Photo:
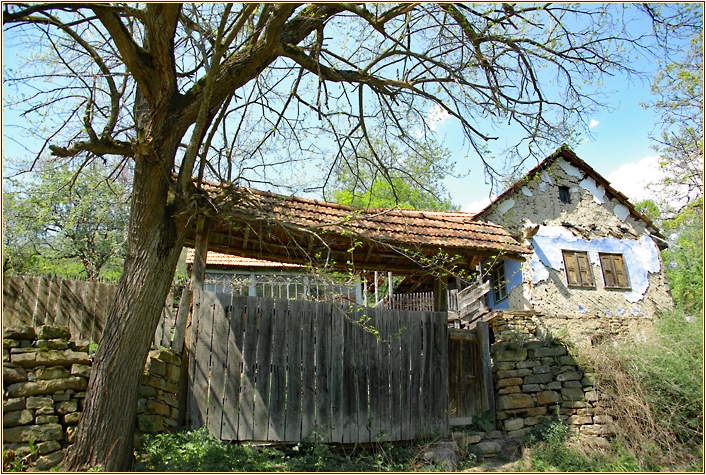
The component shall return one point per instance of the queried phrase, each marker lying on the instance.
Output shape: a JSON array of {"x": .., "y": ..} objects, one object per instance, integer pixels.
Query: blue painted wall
[{"x": 513, "y": 277}]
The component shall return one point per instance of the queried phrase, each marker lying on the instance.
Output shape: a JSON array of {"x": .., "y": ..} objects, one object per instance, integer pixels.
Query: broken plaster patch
[
  {"x": 526, "y": 191},
  {"x": 641, "y": 257},
  {"x": 542, "y": 186},
  {"x": 506, "y": 205},
  {"x": 596, "y": 190},
  {"x": 621, "y": 211},
  {"x": 539, "y": 272},
  {"x": 546, "y": 178},
  {"x": 570, "y": 169}
]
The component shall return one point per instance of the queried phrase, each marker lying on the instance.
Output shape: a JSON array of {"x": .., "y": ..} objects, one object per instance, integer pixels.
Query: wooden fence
[
  {"x": 278, "y": 370},
  {"x": 82, "y": 306}
]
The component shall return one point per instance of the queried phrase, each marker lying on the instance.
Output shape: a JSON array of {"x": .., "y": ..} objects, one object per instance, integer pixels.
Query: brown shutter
[
  {"x": 608, "y": 274},
  {"x": 585, "y": 273},
  {"x": 571, "y": 268},
  {"x": 621, "y": 274}
]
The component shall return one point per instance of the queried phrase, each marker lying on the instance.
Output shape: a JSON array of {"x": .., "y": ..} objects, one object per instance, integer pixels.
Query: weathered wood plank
[
  {"x": 40, "y": 310},
  {"x": 323, "y": 364},
  {"x": 202, "y": 359},
  {"x": 262, "y": 371},
  {"x": 180, "y": 325},
  {"x": 364, "y": 344},
  {"x": 349, "y": 408},
  {"x": 393, "y": 332},
  {"x": 10, "y": 293},
  {"x": 336, "y": 378},
  {"x": 440, "y": 375},
  {"x": 379, "y": 394},
  {"x": 427, "y": 389},
  {"x": 247, "y": 395},
  {"x": 278, "y": 392},
  {"x": 32, "y": 298},
  {"x": 27, "y": 301},
  {"x": 485, "y": 367},
  {"x": 168, "y": 319},
  {"x": 89, "y": 303},
  {"x": 219, "y": 351},
  {"x": 308, "y": 368},
  {"x": 405, "y": 346},
  {"x": 293, "y": 425},
  {"x": 416, "y": 372},
  {"x": 229, "y": 430}
]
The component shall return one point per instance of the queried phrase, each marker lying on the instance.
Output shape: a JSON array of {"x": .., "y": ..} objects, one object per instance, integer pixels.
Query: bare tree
[{"x": 248, "y": 93}]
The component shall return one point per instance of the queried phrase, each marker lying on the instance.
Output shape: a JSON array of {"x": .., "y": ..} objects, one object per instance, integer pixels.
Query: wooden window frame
[
  {"x": 499, "y": 285},
  {"x": 578, "y": 269},
  {"x": 615, "y": 272}
]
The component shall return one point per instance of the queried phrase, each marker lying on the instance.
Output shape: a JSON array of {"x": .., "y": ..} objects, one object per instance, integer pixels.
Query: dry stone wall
[
  {"x": 45, "y": 377},
  {"x": 537, "y": 378}
]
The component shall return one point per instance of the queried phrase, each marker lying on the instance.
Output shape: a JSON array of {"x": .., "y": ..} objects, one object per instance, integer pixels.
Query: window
[
  {"x": 578, "y": 269},
  {"x": 497, "y": 279},
  {"x": 564, "y": 195},
  {"x": 615, "y": 274}
]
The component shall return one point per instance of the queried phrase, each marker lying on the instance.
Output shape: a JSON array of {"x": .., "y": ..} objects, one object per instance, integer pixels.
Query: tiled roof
[
  {"x": 229, "y": 260},
  {"x": 267, "y": 226}
]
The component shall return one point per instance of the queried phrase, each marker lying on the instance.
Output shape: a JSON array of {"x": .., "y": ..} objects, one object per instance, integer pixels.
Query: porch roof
[{"x": 267, "y": 226}]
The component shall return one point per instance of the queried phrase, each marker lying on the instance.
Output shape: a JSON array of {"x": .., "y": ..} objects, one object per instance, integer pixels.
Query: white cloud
[
  {"x": 477, "y": 206},
  {"x": 436, "y": 116},
  {"x": 593, "y": 123},
  {"x": 632, "y": 179}
]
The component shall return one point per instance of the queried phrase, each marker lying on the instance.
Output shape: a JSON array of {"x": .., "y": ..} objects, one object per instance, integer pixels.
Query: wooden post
[
  {"x": 389, "y": 291},
  {"x": 441, "y": 294},
  {"x": 198, "y": 275},
  {"x": 486, "y": 368}
]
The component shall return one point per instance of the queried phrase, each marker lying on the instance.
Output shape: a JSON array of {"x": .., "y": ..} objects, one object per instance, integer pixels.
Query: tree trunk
[{"x": 105, "y": 433}]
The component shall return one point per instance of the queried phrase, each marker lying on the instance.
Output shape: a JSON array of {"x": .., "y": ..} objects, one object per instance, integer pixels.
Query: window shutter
[
  {"x": 621, "y": 275},
  {"x": 571, "y": 268},
  {"x": 608, "y": 274},
  {"x": 585, "y": 274}
]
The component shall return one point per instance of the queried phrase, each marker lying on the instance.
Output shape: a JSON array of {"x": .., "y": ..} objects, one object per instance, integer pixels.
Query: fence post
[
  {"x": 441, "y": 294},
  {"x": 486, "y": 368}
]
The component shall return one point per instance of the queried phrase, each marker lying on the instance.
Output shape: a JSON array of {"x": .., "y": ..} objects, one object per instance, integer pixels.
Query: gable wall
[{"x": 592, "y": 221}]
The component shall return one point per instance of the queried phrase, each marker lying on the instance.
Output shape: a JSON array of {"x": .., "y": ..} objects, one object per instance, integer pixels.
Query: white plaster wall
[{"x": 592, "y": 215}]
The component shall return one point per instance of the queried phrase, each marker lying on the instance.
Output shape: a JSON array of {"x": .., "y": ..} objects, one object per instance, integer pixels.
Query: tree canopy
[{"x": 254, "y": 94}]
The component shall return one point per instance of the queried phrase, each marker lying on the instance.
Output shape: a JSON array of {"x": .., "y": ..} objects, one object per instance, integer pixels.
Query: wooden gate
[
  {"x": 471, "y": 391},
  {"x": 277, "y": 370}
]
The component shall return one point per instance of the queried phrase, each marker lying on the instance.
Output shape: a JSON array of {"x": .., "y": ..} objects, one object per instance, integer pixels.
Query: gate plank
[
  {"x": 427, "y": 389},
  {"x": 221, "y": 315},
  {"x": 416, "y": 372},
  {"x": 229, "y": 430},
  {"x": 338, "y": 320},
  {"x": 349, "y": 407},
  {"x": 323, "y": 365},
  {"x": 440, "y": 374},
  {"x": 456, "y": 408},
  {"x": 278, "y": 391},
  {"x": 247, "y": 396},
  {"x": 294, "y": 373},
  {"x": 199, "y": 406},
  {"x": 393, "y": 327},
  {"x": 485, "y": 367},
  {"x": 262, "y": 370},
  {"x": 308, "y": 367},
  {"x": 365, "y": 344},
  {"x": 405, "y": 343}
]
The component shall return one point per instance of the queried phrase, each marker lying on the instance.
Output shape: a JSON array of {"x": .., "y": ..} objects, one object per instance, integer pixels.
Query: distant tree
[
  {"x": 64, "y": 221},
  {"x": 679, "y": 88},
  {"x": 410, "y": 178}
]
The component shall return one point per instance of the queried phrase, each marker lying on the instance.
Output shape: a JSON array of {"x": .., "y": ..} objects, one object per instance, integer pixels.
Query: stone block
[
  {"x": 169, "y": 422},
  {"x": 11, "y": 375},
  {"x": 566, "y": 360},
  {"x": 52, "y": 344},
  {"x": 171, "y": 399},
  {"x": 532, "y": 421},
  {"x": 147, "y": 391},
  {"x": 509, "y": 390},
  {"x": 82, "y": 370},
  {"x": 10, "y": 343},
  {"x": 48, "y": 461},
  {"x": 503, "y": 383},
  {"x": 548, "y": 351},
  {"x": 573, "y": 384},
  {"x": 513, "y": 424},
  {"x": 17, "y": 418},
  {"x": 579, "y": 420},
  {"x": 166, "y": 355},
  {"x": 48, "y": 447},
  {"x": 43, "y": 411},
  {"x": 531, "y": 388},
  {"x": 574, "y": 404},
  {"x": 514, "y": 401},
  {"x": 173, "y": 373},
  {"x": 51, "y": 332},
  {"x": 14, "y": 404},
  {"x": 44, "y": 419},
  {"x": 527, "y": 364},
  {"x": 504, "y": 365},
  {"x": 554, "y": 385},
  {"x": 598, "y": 429},
  {"x": 513, "y": 373},
  {"x": 37, "y": 402},
  {"x": 547, "y": 397},
  {"x": 65, "y": 407},
  {"x": 542, "y": 369},
  {"x": 519, "y": 354},
  {"x": 174, "y": 413},
  {"x": 572, "y": 393},
  {"x": 150, "y": 423},
  {"x": 52, "y": 372},
  {"x": 591, "y": 396},
  {"x": 602, "y": 419},
  {"x": 19, "y": 333},
  {"x": 538, "y": 378},
  {"x": 72, "y": 418},
  {"x": 535, "y": 411},
  {"x": 61, "y": 397},
  {"x": 28, "y": 359},
  {"x": 37, "y": 433},
  {"x": 154, "y": 407},
  {"x": 489, "y": 448},
  {"x": 156, "y": 367},
  {"x": 569, "y": 376},
  {"x": 519, "y": 432}
]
